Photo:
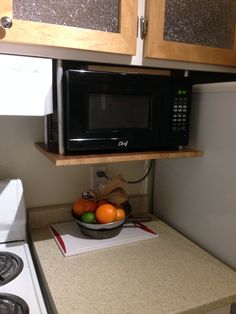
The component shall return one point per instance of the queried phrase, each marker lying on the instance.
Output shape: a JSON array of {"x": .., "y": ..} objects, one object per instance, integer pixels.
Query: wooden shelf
[{"x": 61, "y": 160}]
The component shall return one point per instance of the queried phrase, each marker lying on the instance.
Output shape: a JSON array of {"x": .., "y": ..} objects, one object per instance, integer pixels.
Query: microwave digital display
[
  {"x": 117, "y": 111},
  {"x": 182, "y": 92}
]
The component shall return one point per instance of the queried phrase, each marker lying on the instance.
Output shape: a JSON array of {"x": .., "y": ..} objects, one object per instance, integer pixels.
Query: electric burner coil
[
  {"x": 11, "y": 266},
  {"x": 12, "y": 304}
]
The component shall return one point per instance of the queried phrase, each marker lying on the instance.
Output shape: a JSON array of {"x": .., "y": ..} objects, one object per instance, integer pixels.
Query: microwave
[{"x": 102, "y": 109}]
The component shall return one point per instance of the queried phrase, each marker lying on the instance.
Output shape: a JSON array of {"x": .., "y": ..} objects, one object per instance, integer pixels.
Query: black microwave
[{"x": 100, "y": 109}]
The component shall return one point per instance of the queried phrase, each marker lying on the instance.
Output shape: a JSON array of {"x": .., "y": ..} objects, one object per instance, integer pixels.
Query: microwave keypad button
[{"x": 179, "y": 115}]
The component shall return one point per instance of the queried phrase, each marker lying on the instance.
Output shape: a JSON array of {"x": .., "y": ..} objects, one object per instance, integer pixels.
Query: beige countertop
[{"x": 165, "y": 275}]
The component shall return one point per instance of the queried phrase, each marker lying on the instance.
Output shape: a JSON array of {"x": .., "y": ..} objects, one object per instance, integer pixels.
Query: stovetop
[
  {"x": 25, "y": 284},
  {"x": 22, "y": 286}
]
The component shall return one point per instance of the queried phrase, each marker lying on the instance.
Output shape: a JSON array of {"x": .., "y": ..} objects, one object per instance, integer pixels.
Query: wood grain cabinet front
[
  {"x": 191, "y": 30},
  {"x": 178, "y": 30},
  {"x": 95, "y": 25}
]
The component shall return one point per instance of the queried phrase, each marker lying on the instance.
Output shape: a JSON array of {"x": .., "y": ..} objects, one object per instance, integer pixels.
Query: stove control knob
[{"x": 6, "y": 22}]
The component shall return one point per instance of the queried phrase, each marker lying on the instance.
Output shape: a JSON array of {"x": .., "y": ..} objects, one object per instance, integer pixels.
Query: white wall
[
  {"x": 198, "y": 196},
  {"x": 44, "y": 183}
]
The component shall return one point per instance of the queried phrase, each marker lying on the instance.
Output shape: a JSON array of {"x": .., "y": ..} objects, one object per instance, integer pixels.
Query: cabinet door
[
  {"x": 200, "y": 31},
  {"x": 97, "y": 25}
]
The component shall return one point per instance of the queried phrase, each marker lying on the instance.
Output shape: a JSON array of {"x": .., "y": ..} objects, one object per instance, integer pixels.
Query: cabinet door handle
[{"x": 6, "y": 22}]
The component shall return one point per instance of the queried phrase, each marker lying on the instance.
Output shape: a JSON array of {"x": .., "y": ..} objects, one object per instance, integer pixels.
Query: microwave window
[{"x": 116, "y": 111}]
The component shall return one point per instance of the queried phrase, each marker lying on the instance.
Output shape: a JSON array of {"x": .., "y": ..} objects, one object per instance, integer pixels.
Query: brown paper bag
[{"x": 113, "y": 191}]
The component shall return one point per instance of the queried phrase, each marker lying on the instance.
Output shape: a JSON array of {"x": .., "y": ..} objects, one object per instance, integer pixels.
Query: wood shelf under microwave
[{"x": 62, "y": 160}]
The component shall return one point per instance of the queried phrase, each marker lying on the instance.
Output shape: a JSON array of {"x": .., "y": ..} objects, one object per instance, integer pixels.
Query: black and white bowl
[{"x": 100, "y": 231}]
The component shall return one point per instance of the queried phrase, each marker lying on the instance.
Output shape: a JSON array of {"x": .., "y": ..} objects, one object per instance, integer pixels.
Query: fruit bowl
[{"x": 98, "y": 230}]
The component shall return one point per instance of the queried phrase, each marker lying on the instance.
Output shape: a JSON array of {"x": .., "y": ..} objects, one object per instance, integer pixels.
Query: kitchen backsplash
[
  {"x": 62, "y": 213},
  {"x": 44, "y": 183}
]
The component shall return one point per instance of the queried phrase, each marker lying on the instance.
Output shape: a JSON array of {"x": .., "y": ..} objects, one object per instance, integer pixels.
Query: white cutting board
[{"x": 72, "y": 242}]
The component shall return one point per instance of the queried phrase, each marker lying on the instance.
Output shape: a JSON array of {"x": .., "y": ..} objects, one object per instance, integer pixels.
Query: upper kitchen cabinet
[
  {"x": 96, "y": 25},
  {"x": 191, "y": 30}
]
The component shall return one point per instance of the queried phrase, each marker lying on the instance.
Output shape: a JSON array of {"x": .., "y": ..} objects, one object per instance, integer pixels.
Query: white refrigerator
[{"x": 197, "y": 196}]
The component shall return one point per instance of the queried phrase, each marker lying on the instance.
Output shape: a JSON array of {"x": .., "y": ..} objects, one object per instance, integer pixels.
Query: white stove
[{"x": 19, "y": 287}]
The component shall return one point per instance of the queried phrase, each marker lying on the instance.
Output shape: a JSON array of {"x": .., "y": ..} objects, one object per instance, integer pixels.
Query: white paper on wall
[{"x": 25, "y": 85}]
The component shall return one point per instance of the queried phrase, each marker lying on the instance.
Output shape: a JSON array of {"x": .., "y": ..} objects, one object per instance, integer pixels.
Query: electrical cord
[
  {"x": 144, "y": 177},
  {"x": 102, "y": 174}
]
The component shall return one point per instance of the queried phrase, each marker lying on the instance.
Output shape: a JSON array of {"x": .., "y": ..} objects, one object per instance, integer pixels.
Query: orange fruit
[
  {"x": 78, "y": 207},
  {"x": 90, "y": 205},
  {"x": 105, "y": 213},
  {"x": 81, "y": 206},
  {"x": 120, "y": 213}
]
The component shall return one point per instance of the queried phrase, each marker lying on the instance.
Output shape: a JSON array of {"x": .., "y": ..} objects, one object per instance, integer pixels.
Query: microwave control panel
[{"x": 180, "y": 111}]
